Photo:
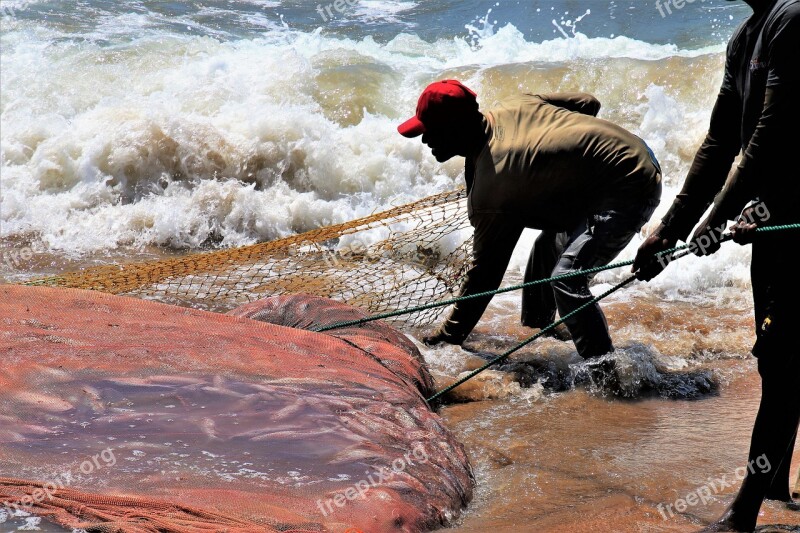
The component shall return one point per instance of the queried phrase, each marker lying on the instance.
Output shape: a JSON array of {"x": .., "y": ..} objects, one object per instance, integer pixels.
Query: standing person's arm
[
  {"x": 709, "y": 170},
  {"x": 708, "y": 173},
  {"x": 496, "y": 237},
  {"x": 777, "y": 126}
]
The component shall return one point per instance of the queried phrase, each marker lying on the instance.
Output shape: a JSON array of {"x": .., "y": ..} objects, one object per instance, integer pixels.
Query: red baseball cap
[{"x": 439, "y": 103}]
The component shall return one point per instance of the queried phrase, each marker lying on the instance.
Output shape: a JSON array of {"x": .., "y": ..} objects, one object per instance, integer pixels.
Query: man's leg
[
  {"x": 538, "y": 301},
  {"x": 796, "y": 490},
  {"x": 773, "y": 433},
  {"x": 774, "y": 293},
  {"x": 781, "y": 490},
  {"x": 591, "y": 245}
]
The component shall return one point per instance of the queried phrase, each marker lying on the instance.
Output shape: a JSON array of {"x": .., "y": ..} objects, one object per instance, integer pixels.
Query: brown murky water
[
  {"x": 581, "y": 462},
  {"x": 588, "y": 460}
]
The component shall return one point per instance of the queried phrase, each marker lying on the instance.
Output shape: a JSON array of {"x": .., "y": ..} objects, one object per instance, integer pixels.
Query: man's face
[{"x": 445, "y": 142}]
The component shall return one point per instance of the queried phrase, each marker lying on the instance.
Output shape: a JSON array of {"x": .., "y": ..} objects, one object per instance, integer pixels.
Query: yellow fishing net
[{"x": 407, "y": 256}]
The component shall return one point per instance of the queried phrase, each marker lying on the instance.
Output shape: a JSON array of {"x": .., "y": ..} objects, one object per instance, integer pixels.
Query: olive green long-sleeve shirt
[{"x": 548, "y": 164}]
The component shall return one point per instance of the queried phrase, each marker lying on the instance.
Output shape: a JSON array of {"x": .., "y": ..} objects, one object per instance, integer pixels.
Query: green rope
[
  {"x": 686, "y": 249},
  {"x": 777, "y": 228},
  {"x": 451, "y": 301},
  {"x": 673, "y": 254},
  {"x": 524, "y": 343}
]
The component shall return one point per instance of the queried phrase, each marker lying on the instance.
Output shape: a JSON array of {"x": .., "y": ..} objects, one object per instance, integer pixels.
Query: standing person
[
  {"x": 544, "y": 162},
  {"x": 757, "y": 112}
]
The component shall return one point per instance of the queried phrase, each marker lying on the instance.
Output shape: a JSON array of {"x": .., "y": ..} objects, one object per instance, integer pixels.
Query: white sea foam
[
  {"x": 383, "y": 10},
  {"x": 181, "y": 140}
]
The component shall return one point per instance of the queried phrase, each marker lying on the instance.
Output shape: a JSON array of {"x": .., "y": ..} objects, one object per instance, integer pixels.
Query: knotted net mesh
[{"x": 407, "y": 256}]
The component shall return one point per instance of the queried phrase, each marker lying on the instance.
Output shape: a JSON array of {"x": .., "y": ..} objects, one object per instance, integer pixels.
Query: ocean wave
[{"x": 183, "y": 141}]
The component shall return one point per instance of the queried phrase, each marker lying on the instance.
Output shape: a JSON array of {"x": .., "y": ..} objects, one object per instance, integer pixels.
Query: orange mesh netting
[
  {"x": 407, "y": 256},
  {"x": 80, "y": 510},
  {"x": 139, "y": 416}
]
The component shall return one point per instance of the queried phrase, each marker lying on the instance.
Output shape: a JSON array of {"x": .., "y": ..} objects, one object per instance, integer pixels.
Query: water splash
[
  {"x": 639, "y": 370},
  {"x": 480, "y": 29},
  {"x": 572, "y": 25}
]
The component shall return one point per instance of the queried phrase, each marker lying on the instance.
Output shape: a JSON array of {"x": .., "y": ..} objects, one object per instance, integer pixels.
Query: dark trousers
[
  {"x": 775, "y": 298},
  {"x": 595, "y": 242}
]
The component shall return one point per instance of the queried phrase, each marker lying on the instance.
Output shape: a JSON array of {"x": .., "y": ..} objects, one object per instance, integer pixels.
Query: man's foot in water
[
  {"x": 779, "y": 496},
  {"x": 730, "y": 522},
  {"x": 721, "y": 526},
  {"x": 783, "y": 496},
  {"x": 601, "y": 372},
  {"x": 604, "y": 374}
]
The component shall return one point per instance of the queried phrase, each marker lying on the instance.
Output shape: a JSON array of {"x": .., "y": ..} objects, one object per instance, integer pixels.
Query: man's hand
[
  {"x": 646, "y": 266},
  {"x": 707, "y": 239},
  {"x": 744, "y": 231},
  {"x": 438, "y": 338}
]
